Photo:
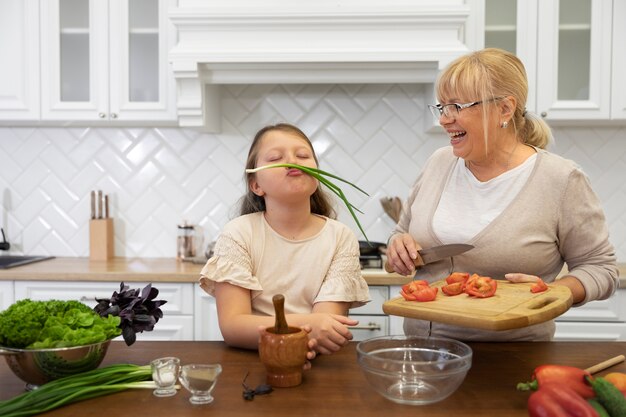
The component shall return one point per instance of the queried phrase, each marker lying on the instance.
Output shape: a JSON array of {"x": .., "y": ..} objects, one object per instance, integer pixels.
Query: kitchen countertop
[
  {"x": 139, "y": 269},
  {"x": 155, "y": 270},
  {"x": 334, "y": 385}
]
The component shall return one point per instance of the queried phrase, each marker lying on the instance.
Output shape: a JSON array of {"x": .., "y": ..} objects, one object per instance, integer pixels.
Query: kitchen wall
[{"x": 158, "y": 177}]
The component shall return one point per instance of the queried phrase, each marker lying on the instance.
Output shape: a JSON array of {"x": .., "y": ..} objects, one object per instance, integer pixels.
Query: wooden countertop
[
  {"x": 155, "y": 270},
  {"x": 138, "y": 270},
  {"x": 335, "y": 384}
]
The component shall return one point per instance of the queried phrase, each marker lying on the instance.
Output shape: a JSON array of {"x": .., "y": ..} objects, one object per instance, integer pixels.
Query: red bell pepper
[
  {"x": 554, "y": 400},
  {"x": 453, "y": 289},
  {"x": 481, "y": 287},
  {"x": 569, "y": 376},
  {"x": 457, "y": 277},
  {"x": 418, "y": 290},
  {"x": 538, "y": 286}
]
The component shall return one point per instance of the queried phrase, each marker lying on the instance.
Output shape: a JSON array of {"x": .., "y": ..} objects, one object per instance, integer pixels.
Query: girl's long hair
[{"x": 251, "y": 203}]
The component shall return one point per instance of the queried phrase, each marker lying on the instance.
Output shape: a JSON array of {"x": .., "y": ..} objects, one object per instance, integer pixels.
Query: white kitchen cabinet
[
  {"x": 566, "y": 47},
  {"x": 596, "y": 320},
  {"x": 106, "y": 60},
  {"x": 618, "y": 87},
  {"x": 373, "y": 322},
  {"x": 177, "y": 322},
  {"x": 6, "y": 294},
  {"x": 205, "y": 314},
  {"x": 19, "y": 55}
]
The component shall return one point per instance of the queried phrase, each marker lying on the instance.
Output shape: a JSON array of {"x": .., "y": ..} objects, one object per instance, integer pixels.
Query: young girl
[{"x": 285, "y": 242}]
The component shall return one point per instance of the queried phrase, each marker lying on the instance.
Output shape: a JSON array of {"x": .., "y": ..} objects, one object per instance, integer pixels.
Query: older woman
[{"x": 525, "y": 210}]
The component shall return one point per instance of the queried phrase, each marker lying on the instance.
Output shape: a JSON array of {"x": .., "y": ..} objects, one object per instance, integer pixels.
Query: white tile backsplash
[{"x": 156, "y": 177}]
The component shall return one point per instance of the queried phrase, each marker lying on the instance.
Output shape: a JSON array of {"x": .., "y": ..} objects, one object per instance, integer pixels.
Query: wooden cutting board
[{"x": 513, "y": 306}]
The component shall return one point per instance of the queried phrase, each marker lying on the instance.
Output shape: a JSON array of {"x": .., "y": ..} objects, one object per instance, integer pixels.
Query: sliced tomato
[
  {"x": 455, "y": 288},
  {"x": 418, "y": 290},
  {"x": 481, "y": 287},
  {"x": 538, "y": 286},
  {"x": 457, "y": 277}
]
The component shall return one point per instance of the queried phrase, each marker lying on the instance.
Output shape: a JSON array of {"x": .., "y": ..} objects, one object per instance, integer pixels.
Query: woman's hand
[
  {"x": 519, "y": 277},
  {"x": 312, "y": 344},
  {"x": 330, "y": 331},
  {"x": 402, "y": 255}
]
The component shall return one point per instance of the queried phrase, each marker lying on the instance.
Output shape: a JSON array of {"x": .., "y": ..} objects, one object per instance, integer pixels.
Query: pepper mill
[{"x": 283, "y": 349}]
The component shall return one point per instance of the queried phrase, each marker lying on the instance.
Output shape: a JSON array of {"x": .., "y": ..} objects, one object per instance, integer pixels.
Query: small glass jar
[{"x": 185, "y": 247}]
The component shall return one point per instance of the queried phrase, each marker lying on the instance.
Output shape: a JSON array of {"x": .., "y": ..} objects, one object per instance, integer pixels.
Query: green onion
[
  {"x": 318, "y": 174},
  {"x": 79, "y": 387}
]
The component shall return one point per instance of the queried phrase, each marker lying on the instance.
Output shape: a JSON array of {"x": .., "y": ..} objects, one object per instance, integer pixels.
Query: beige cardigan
[{"x": 555, "y": 219}]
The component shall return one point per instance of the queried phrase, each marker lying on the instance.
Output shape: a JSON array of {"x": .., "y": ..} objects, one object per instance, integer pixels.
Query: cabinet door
[
  {"x": 140, "y": 36},
  {"x": 74, "y": 59},
  {"x": 618, "y": 104},
  {"x": 512, "y": 25},
  {"x": 205, "y": 314},
  {"x": 574, "y": 59},
  {"x": 6, "y": 294},
  {"x": 19, "y": 57}
]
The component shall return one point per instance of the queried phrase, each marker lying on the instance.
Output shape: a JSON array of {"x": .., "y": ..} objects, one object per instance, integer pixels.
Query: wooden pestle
[{"x": 280, "y": 326}]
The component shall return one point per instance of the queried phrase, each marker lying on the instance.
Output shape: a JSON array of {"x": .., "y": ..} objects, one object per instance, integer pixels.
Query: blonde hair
[
  {"x": 487, "y": 75},
  {"x": 251, "y": 203}
]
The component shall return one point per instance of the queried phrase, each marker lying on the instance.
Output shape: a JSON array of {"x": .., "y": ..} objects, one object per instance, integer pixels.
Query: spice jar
[{"x": 185, "y": 247}]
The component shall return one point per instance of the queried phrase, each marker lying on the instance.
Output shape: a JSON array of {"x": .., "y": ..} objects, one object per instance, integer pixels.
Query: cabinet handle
[
  {"x": 102, "y": 115},
  {"x": 113, "y": 115},
  {"x": 369, "y": 326},
  {"x": 84, "y": 299},
  {"x": 544, "y": 114}
]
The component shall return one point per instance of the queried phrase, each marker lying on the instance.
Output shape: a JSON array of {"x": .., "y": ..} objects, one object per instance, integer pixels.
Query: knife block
[{"x": 101, "y": 239}]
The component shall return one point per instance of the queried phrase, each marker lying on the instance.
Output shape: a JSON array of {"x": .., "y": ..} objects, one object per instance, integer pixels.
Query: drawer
[
  {"x": 6, "y": 294},
  {"x": 379, "y": 294},
  {"x": 369, "y": 326},
  {"x": 611, "y": 310},
  {"x": 169, "y": 328},
  {"x": 179, "y": 296},
  {"x": 571, "y": 331}
]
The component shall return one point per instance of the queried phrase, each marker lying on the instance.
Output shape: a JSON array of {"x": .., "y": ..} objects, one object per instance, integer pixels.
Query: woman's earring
[{"x": 504, "y": 124}]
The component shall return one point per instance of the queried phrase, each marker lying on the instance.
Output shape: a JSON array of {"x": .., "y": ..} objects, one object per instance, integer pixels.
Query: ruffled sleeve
[
  {"x": 344, "y": 281},
  {"x": 232, "y": 263}
]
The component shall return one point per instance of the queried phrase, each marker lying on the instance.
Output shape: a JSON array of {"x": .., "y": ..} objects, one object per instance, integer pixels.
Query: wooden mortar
[{"x": 283, "y": 349}]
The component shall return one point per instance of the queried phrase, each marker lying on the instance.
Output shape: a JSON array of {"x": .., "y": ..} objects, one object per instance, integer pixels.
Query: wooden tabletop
[{"x": 334, "y": 386}]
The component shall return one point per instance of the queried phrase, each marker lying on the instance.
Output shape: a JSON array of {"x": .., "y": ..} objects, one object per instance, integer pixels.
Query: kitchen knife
[{"x": 437, "y": 253}]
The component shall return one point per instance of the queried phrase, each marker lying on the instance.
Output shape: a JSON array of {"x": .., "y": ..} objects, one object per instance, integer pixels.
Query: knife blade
[{"x": 437, "y": 253}]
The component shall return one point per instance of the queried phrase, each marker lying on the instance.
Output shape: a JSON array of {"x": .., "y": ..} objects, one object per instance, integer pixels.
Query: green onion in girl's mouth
[{"x": 319, "y": 174}]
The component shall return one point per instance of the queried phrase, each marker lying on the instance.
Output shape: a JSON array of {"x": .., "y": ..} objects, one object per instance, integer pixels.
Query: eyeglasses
[{"x": 452, "y": 110}]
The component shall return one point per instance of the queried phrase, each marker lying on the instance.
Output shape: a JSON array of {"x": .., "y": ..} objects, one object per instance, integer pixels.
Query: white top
[
  {"x": 325, "y": 267},
  {"x": 467, "y": 205}
]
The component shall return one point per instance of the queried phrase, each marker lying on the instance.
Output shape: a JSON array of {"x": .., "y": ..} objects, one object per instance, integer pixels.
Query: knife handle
[
  {"x": 93, "y": 204},
  {"x": 99, "y": 198},
  {"x": 106, "y": 206}
]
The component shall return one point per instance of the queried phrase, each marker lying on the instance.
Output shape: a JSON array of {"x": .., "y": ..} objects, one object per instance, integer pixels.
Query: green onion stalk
[
  {"x": 78, "y": 387},
  {"x": 319, "y": 175}
]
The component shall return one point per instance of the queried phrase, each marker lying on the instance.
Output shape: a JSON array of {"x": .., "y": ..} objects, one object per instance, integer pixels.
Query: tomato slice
[
  {"x": 418, "y": 290},
  {"x": 538, "y": 286},
  {"x": 455, "y": 288},
  {"x": 481, "y": 287},
  {"x": 457, "y": 277}
]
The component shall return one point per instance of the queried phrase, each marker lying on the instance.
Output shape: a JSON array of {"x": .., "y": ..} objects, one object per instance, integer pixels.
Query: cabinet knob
[
  {"x": 102, "y": 115},
  {"x": 369, "y": 326},
  {"x": 113, "y": 115},
  {"x": 544, "y": 114}
]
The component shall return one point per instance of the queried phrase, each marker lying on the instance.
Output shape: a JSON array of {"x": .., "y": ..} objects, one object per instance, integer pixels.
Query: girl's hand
[
  {"x": 519, "y": 277},
  {"x": 310, "y": 355},
  {"x": 402, "y": 255},
  {"x": 330, "y": 331}
]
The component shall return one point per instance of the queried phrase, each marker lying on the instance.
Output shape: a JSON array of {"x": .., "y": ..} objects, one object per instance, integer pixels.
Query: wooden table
[{"x": 335, "y": 385}]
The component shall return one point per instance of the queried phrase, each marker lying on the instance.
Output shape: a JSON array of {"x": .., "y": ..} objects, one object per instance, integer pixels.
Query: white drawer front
[
  {"x": 179, "y": 296},
  {"x": 611, "y": 310},
  {"x": 379, "y": 294},
  {"x": 369, "y": 326},
  {"x": 569, "y": 331},
  {"x": 170, "y": 328},
  {"x": 6, "y": 294}
]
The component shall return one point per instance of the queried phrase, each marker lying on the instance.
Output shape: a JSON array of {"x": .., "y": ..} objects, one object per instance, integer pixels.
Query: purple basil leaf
[{"x": 128, "y": 333}]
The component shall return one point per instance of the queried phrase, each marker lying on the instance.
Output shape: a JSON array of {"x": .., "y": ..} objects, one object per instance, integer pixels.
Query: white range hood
[{"x": 318, "y": 41}]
